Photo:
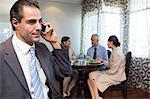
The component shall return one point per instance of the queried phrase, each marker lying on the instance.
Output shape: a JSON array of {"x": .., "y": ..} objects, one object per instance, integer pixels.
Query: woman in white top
[
  {"x": 101, "y": 80},
  {"x": 69, "y": 82}
]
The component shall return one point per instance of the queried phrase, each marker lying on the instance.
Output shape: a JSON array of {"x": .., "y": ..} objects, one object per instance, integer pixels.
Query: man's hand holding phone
[{"x": 49, "y": 34}]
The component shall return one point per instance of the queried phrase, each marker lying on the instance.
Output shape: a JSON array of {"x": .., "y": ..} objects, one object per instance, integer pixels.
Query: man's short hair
[
  {"x": 17, "y": 9},
  {"x": 96, "y": 36}
]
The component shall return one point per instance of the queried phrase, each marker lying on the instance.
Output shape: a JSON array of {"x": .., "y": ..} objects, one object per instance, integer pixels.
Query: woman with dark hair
[
  {"x": 69, "y": 82},
  {"x": 67, "y": 42},
  {"x": 101, "y": 80}
]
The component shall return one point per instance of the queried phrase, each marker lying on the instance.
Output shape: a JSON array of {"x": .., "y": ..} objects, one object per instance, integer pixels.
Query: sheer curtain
[
  {"x": 109, "y": 24},
  {"x": 139, "y": 28},
  {"x": 89, "y": 29}
]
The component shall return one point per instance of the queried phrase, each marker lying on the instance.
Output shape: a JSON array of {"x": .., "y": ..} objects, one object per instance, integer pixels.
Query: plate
[{"x": 94, "y": 63}]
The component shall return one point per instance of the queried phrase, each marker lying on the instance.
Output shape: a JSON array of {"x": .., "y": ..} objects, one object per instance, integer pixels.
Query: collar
[
  {"x": 22, "y": 46},
  {"x": 95, "y": 46}
]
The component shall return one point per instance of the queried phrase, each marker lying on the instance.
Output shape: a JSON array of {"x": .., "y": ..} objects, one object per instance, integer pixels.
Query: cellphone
[{"x": 43, "y": 28}]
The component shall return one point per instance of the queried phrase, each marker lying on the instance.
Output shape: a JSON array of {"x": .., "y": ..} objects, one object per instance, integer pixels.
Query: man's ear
[{"x": 15, "y": 23}]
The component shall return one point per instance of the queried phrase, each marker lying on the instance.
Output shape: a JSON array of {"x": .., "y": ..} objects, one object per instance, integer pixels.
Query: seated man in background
[
  {"x": 97, "y": 50},
  {"x": 69, "y": 82}
]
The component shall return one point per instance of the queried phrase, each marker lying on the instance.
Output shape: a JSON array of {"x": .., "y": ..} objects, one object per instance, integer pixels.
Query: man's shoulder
[
  {"x": 3, "y": 46},
  {"x": 5, "y": 43},
  {"x": 90, "y": 48},
  {"x": 40, "y": 44},
  {"x": 41, "y": 47},
  {"x": 101, "y": 47}
]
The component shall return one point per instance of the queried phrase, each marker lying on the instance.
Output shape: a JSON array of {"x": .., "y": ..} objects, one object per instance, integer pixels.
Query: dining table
[{"x": 84, "y": 68}]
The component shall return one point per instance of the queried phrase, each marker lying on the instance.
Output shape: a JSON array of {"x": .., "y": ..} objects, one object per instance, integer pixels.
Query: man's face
[
  {"x": 29, "y": 29},
  {"x": 94, "y": 41}
]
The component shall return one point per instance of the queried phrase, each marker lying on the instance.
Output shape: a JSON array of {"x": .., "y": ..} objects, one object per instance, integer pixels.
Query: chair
[
  {"x": 109, "y": 53},
  {"x": 123, "y": 86}
]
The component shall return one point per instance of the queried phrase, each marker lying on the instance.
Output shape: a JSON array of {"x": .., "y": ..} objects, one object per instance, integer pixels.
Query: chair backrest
[
  {"x": 128, "y": 62},
  {"x": 109, "y": 53}
]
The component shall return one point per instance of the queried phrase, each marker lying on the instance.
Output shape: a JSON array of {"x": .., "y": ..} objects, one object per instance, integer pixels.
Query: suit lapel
[
  {"x": 11, "y": 58},
  {"x": 44, "y": 60}
]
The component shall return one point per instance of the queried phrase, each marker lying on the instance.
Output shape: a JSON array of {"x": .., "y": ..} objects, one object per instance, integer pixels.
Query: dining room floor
[{"x": 133, "y": 93}]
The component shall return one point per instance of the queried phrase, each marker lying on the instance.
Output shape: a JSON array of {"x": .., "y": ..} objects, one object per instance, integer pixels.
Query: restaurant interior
[{"x": 129, "y": 20}]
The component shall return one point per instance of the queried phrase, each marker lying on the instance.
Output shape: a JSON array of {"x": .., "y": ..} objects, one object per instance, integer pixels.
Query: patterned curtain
[
  {"x": 139, "y": 74},
  {"x": 89, "y": 6}
]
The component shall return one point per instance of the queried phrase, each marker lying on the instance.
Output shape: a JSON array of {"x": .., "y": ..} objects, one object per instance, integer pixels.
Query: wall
[
  {"x": 4, "y": 18},
  {"x": 66, "y": 17}
]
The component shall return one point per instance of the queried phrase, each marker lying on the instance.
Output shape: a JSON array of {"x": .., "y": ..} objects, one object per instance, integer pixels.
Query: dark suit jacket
[{"x": 12, "y": 80}]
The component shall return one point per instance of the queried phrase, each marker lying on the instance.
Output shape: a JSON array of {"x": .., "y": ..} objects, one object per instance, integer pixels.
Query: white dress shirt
[{"x": 22, "y": 51}]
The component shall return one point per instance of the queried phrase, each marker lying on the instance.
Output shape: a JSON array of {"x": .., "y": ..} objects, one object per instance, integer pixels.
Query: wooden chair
[{"x": 123, "y": 86}]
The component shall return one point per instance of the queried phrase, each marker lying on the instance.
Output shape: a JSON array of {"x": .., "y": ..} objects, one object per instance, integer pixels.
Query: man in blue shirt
[{"x": 97, "y": 50}]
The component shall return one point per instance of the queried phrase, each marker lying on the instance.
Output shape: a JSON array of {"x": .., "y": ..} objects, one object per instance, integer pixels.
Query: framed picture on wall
[{"x": 5, "y": 31}]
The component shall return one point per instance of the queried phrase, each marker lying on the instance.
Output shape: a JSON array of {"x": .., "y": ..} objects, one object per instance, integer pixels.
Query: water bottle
[{"x": 81, "y": 58}]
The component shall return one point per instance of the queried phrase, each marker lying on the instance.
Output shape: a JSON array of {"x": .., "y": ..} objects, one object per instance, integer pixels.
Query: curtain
[
  {"x": 89, "y": 15},
  {"x": 139, "y": 74},
  {"x": 139, "y": 28}
]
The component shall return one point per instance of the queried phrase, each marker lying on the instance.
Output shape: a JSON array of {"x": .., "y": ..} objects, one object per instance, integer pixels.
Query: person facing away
[
  {"x": 69, "y": 82},
  {"x": 97, "y": 50},
  {"x": 25, "y": 72},
  {"x": 101, "y": 80},
  {"x": 67, "y": 42}
]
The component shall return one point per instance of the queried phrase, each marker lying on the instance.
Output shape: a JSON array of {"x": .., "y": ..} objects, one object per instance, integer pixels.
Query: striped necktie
[{"x": 35, "y": 79}]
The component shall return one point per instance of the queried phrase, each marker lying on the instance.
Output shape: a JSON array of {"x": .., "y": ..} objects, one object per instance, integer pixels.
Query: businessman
[{"x": 27, "y": 68}]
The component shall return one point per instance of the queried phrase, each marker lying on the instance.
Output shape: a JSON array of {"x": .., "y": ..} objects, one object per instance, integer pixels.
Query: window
[{"x": 109, "y": 24}]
